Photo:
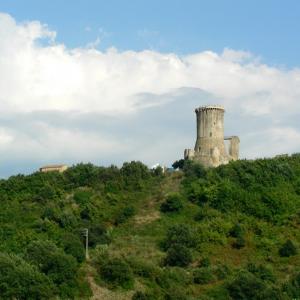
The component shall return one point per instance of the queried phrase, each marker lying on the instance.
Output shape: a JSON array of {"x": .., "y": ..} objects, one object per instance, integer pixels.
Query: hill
[{"x": 226, "y": 233}]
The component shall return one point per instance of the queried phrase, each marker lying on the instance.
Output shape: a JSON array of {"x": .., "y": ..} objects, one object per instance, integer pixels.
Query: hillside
[{"x": 232, "y": 232}]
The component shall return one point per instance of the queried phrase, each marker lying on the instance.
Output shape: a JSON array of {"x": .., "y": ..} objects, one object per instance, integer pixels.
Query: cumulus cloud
[{"x": 83, "y": 104}]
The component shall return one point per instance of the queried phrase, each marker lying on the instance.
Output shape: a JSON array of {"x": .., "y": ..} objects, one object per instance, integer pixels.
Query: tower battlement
[
  {"x": 210, "y": 147},
  {"x": 209, "y": 107}
]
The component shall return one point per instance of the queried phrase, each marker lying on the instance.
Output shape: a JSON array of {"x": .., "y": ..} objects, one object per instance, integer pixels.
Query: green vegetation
[
  {"x": 173, "y": 203},
  {"x": 232, "y": 232}
]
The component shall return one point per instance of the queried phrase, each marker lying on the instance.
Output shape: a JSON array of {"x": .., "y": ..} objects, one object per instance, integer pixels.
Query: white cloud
[
  {"x": 38, "y": 74},
  {"x": 273, "y": 141}
]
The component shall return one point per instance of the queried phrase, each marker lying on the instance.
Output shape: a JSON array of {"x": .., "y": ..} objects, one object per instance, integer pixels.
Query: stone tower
[{"x": 210, "y": 147}]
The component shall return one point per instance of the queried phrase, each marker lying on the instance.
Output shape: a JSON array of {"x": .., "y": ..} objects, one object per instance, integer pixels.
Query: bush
[
  {"x": 179, "y": 234},
  {"x": 173, "y": 203},
  {"x": 176, "y": 294},
  {"x": 116, "y": 272},
  {"x": 193, "y": 169},
  {"x": 288, "y": 249},
  {"x": 239, "y": 243},
  {"x": 222, "y": 271},
  {"x": 142, "y": 296},
  {"x": 135, "y": 174},
  {"x": 205, "y": 262},
  {"x": 178, "y": 255},
  {"x": 82, "y": 197},
  {"x": 143, "y": 269},
  {"x": 203, "y": 276},
  {"x": 246, "y": 286},
  {"x": 20, "y": 280},
  {"x": 261, "y": 271},
  {"x": 124, "y": 214},
  {"x": 236, "y": 231},
  {"x": 73, "y": 245},
  {"x": 292, "y": 287},
  {"x": 52, "y": 261},
  {"x": 98, "y": 235}
]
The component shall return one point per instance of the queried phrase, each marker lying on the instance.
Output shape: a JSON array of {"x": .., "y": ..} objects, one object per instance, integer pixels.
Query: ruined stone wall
[{"x": 234, "y": 148}]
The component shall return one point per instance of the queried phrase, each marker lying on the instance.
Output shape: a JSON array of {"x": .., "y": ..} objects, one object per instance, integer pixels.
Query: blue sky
[
  {"x": 113, "y": 81},
  {"x": 267, "y": 28}
]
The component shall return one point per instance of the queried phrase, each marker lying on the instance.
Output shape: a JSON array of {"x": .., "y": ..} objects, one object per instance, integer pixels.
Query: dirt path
[{"x": 150, "y": 212}]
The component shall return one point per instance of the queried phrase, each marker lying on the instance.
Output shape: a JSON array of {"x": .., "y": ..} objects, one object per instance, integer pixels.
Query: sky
[{"x": 111, "y": 81}]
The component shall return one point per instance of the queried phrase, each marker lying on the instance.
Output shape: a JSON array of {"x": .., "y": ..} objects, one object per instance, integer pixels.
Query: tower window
[{"x": 210, "y": 134}]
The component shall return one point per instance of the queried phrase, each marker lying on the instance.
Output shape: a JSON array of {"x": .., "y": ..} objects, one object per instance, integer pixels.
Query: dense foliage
[
  {"x": 42, "y": 220},
  {"x": 232, "y": 232}
]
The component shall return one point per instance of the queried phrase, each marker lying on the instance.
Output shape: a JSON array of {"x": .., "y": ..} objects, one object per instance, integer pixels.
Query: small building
[{"x": 51, "y": 168}]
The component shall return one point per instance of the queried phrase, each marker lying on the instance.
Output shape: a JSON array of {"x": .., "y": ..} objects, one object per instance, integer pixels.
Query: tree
[
  {"x": 20, "y": 280},
  {"x": 178, "y": 164},
  {"x": 53, "y": 262}
]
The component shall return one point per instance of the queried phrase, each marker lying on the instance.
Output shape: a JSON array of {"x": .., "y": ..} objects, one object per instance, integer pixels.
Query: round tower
[{"x": 210, "y": 147}]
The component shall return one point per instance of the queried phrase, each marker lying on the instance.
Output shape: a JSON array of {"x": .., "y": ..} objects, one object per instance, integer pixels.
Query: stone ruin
[{"x": 210, "y": 146}]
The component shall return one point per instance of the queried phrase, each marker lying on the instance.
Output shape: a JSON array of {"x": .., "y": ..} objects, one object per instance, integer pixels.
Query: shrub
[
  {"x": 158, "y": 171},
  {"x": 142, "y": 296},
  {"x": 47, "y": 192},
  {"x": 124, "y": 214},
  {"x": 143, "y": 269},
  {"x": 205, "y": 262},
  {"x": 176, "y": 294},
  {"x": 179, "y": 234},
  {"x": 73, "y": 245},
  {"x": 178, "y": 255},
  {"x": 206, "y": 213},
  {"x": 135, "y": 174},
  {"x": 52, "y": 261},
  {"x": 222, "y": 271},
  {"x": 292, "y": 287},
  {"x": 173, "y": 203},
  {"x": 288, "y": 249},
  {"x": 193, "y": 169},
  {"x": 261, "y": 271},
  {"x": 246, "y": 286},
  {"x": 203, "y": 276},
  {"x": 20, "y": 280},
  {"x": 239, "y": 243},
  {"x": 98, "y": 235},
  {"x": 116, "y": 272},
  {"x": 236, "y": 231},
  {"x": 82, "y": 197}
]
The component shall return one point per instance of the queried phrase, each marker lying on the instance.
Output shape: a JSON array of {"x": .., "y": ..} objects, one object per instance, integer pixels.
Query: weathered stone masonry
[{"x": 210, "y": 147}]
